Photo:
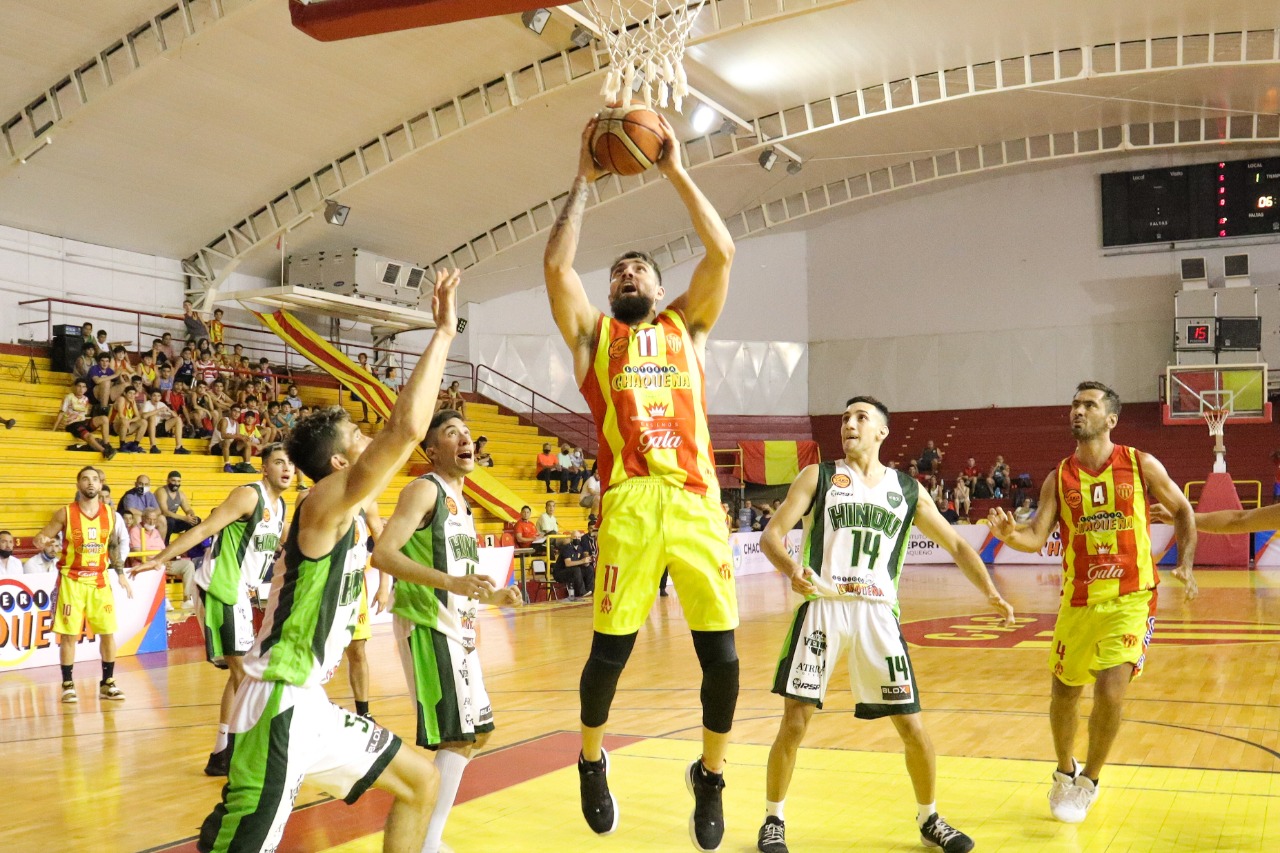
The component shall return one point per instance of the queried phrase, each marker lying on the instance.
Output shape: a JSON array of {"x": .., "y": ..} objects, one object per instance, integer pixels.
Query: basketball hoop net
[
  {"x": 645, "y": 40},
  {"x": 1215, "y": 418}
]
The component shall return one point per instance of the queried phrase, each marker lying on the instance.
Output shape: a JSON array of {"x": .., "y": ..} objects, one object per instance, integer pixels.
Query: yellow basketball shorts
[
  {"x": 78, "y": 603},
  {"x": 363, "y": 629},
  {"x": 647, "y": 527},
  {"x": 1090, "y": 639}
]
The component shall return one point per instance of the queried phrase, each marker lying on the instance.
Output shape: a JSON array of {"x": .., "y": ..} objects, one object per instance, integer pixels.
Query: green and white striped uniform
[
  {"x": 436, "y": 630},
  {"x": 854, "y": 547},
  {"x": 239, "y": 559},
  {"x": 312, "y": 609},
  {"x": 285, "y": 727}
]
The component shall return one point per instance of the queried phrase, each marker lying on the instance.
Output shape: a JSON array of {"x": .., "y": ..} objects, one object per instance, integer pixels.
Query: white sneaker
[
  {"x": 1076, "y": 801},
  {"x": 1060, "y": 786}
]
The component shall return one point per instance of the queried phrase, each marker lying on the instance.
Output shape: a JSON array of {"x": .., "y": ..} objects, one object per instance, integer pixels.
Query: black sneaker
[
  {"x": 773, "y": 836},
  {"x": 936, "y": 832},
  {"x": 706, "y": 824},
  {"x": 108, "y": 452},
  {"x": 219, "y": 762},
  {"x": 598, "y": 805}
]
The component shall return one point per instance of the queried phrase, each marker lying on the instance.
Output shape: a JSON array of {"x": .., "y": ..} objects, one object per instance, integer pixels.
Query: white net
[
  {"x": 646, "y": 41},
  {"x": 1215, "y": 418}
]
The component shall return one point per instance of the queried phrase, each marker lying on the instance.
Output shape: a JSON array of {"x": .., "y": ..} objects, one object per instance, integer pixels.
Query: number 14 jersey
[{"x": 858, "y": 534}]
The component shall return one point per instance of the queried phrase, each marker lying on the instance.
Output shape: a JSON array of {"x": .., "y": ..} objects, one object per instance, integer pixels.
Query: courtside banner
[
  {"x": 26, "y": 620},
  {"x": 921, "y": 550},
  {"x": 496, "y": 563},
  {"x": 1266, "y": 548},
  {"x": 747, "y": 556}
]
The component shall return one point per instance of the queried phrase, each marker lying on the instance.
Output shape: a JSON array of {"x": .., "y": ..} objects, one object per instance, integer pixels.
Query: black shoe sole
[
  {"x": 616, "y": 814},
  {"x": 693, "y": 818}
]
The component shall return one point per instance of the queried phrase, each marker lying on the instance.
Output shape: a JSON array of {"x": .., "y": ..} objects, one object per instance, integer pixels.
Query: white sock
[
  {"x": 924, "y": 811},
  {"x": 450, "y": 765},
  {"x": 220, "y": 743},
  {"x": 774, "y": 809}
]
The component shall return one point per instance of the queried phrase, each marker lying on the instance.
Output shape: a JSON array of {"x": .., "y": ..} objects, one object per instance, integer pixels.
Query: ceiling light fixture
[
  {"x": 704, "y": 118},
  {"x": 581, "y": 36},
  {"x": 536, "y": 19},
  {"x": 336, "y": 214},
  {"x": 768, "y": 157},
  {"x": 794, "y": 167}
]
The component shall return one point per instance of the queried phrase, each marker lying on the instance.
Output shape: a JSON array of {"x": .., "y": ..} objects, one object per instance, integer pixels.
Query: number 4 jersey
[{"x": 858, "y": 534}]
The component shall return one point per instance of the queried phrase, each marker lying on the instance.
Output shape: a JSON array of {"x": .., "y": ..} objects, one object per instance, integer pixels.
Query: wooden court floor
[{"x": 1195, "y": 768}]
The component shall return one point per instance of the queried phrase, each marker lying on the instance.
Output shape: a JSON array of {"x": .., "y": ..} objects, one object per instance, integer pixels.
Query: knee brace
[
  {"x": 719, "y": 659},
  {"x": 599, "y": 680}
]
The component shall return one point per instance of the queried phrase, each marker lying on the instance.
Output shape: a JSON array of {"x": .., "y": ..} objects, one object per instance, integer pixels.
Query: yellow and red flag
[{"x": 772, "y": 463}]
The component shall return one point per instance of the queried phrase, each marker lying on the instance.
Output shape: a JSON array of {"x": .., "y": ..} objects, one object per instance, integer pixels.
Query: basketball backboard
[
  {"x": 334, "y": 20},
  {"x": 1192, "y": 390}
]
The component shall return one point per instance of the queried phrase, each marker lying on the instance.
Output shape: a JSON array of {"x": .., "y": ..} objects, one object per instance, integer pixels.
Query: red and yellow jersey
[
  {"x": 124, "y": 410},
  {"x": 85, "y": 542},
  {"x": 215, "y": 332},
  {"x": 1102, "y": 518},
  {"x": 647, "y": 394}
]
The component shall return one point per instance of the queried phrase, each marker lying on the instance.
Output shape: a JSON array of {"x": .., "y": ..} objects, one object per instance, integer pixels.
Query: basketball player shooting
[{"x": 641, "y": 374}]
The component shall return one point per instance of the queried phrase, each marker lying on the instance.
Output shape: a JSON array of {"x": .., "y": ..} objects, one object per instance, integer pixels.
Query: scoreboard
[{"x": 1204, "y": 201}]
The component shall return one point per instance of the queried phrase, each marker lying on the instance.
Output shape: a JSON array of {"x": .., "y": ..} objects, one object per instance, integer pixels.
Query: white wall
[
  {"x": 756, "y": 360},
  {"x": 994, "y": 292}
]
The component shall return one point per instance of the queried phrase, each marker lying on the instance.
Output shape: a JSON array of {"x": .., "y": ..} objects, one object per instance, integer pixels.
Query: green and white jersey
[
  {"x": 243, "y": 551},
  {"x": 312, "y": 610},
  {"x": 858, "y": 534},
  {"x": 446, "y": 543}
]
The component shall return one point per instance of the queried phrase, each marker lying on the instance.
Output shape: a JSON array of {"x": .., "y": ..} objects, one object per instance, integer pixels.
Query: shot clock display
[{"x": 1199, "y": 202}]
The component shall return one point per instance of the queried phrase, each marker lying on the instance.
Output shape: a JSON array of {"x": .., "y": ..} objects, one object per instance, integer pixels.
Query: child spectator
[{"x": 75, "y": 417}]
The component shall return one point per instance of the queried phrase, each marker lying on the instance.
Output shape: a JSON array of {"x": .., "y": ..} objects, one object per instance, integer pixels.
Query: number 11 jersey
[{"x": 858, "y": 534}]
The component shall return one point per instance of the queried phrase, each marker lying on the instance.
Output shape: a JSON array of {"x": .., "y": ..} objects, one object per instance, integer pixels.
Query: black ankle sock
[
  {"x": 66, "y": 671},
  {"x": 362, "y": 708},
  {"x": 108, "y": 670}
]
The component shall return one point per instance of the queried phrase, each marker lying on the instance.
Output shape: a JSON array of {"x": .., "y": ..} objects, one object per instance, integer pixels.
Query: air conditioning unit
[{"x": 360, "y": 274}]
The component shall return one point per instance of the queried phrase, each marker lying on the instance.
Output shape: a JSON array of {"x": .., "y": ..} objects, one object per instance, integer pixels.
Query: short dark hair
[
  {"x": 5, "y": 533},
  {"x": 273, "y": 447},
  {"x": 871, "y": 401},
  {"x": 1109, "y": 396},
  {"x": 438, "y": 420},
  {"x": 92, "y": 468},
  {"x": 315, "y": 440},
  {"x": 526, "y": 506},
  {"x": 637, "y": 255}
]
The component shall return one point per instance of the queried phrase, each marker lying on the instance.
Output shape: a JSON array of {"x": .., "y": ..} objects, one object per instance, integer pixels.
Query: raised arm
[
  {"x": 1028, "y": 536},
  {"x": 932, "y": 524},
  {"x": 570, "y": 307},
  {"x": 1163, "y": 489},
  {"x": 708, "y": 289},
  {"x": 239, "y": 504},
  {"x": 414, "y": 508},
  {"x": 773, "y": 540}
]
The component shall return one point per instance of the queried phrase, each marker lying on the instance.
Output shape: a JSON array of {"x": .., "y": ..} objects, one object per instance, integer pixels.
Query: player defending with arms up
[
  {"x": 861, "y": 515},
  {"x": 1098, "y": 499},
  {"x": 285, "y": 726},
  {"x": 432, "y": 529},
  {"x": 248, "y": 526},
  {"x": 641, "y": 374}
]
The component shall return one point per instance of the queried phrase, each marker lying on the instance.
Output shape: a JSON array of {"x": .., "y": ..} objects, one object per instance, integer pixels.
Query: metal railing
[
  {"x": 1244, "y": 489},
  {"x": 730, "y": 470},
  {"x": 541, "y": 411}
]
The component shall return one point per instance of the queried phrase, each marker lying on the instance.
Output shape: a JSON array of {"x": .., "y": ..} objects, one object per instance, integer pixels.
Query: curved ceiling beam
[
  {"x": 218, "y": 258},
  {"x": 1240, "y": 130},
  {"x": 1151, "y": 55},
  {"x": 27, "y": 131}
]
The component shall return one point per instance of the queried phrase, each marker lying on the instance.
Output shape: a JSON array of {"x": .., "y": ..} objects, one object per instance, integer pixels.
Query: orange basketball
[{"x": 627, "y": 140}]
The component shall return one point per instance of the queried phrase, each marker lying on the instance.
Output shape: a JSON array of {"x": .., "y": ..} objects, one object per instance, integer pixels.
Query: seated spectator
[
  {"x": 590, "y": 490},
  {"x": 121, "y": 363},
  {"x": 86, "y": 335},
  {"x": 984, "y": 489},
  {"x": 100, "y": 341},
  {"x": 158, "y": 356},
  {"x": 147, "y": 371},
  {"x": 103, "y": 382},
  {"x": 970, "y": 472},
  {"x": 1024, "y": 512},
  {"x": 549, "y": 468},
  {"x": 206, "y": 368},
  {"x": 930, "y": 460},
  {"x": 229, "y": 435},
  {"x": 292, "y": 399},
  {"x": 127, "y": 421},
  {"x": 580, "y": 461},
  {"x": 571, "y": 476},
  {"x": 961, "y": 497},
  {"x": 1022, "y": 489},
  {"x": 525, "y": 532},
  {"x": 283, "y": 418},
  {"x": 573, "y": 567},
  {"x": 1000, "y": 473},
  {"x": 937, "y": 491},
  {"x": 765, "y": 515},
  {"x": 164, "y": 379},
  {"x": 88, "y": 358},
  {"x": 139, "y": 498},
  {"x": 481, "y": 455},
  {"x": 162, "y": 420},
  {"x": 451, "y": 398},
  {"x": 166, "y": 346},
  {"x": 76, "y": 419},
  {"x": 548, "y": 525},
  {"x": 948, "y": 512},
  {"x": 175, "y": 507},
  {"x": 9, "y": 564},
  {"x": 913, "y": 471},
  {"x": 146, "y": 539},
  {"x": 222, "y": 401},
  {"x": 186, "y": 367},
  {"x": 46, "y": 559}
]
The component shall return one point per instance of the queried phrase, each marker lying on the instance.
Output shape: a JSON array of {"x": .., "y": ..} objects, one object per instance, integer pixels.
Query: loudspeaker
[
  {"x": 1239, "y": 334},
  {"x": 64, "y": 350}
]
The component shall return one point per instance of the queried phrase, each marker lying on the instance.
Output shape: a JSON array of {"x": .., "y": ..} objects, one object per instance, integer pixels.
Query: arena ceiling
[{"x": 207, "y": 129}]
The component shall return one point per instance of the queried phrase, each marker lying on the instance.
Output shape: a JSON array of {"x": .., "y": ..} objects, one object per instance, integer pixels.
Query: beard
[
  {"x": 1082, "y": 432},
  {"x": 630, "y": 308}
]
